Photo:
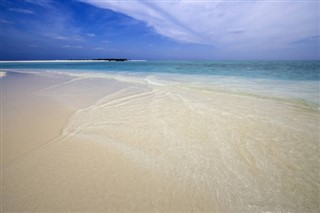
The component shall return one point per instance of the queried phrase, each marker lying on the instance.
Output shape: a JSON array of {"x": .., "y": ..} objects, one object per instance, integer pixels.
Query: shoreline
[{"x": 240, "y": 86}]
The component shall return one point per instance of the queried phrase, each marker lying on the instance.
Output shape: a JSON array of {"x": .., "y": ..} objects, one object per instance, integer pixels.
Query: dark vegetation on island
[{"x": 101, "y": 59}]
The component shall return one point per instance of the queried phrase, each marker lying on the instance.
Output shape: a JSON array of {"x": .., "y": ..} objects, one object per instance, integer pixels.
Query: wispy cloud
[
  {"x": 98, "y": 48},
  {"x": 20, "y": 10},
  {"x": 66, "y": 38},
  {"x": 236, "y": 24},
  {"x": 59, "y": 37},
  {"x": 72, "y": 46},
  {"x": 4, "y": 21},
  {"x": 91, "y": 34},
  {"x": 42, "y": 3}
]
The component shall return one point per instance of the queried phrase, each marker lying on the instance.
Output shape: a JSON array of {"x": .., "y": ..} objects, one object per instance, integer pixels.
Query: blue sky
[{"x": 178, "y": 30}]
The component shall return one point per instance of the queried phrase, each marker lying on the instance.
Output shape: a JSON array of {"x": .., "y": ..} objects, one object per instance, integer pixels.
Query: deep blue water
[{"x": 282, "y": 70}]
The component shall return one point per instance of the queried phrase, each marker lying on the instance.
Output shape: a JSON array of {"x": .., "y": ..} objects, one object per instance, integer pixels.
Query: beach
[
  {"x": 91, "y": 141},
  {"x": 159, "y": 106}
]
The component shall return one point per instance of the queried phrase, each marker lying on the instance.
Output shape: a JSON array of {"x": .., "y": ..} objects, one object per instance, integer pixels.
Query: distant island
[
  {"x": 100, "y": 59},
  {"x": 69, "y": 60}
]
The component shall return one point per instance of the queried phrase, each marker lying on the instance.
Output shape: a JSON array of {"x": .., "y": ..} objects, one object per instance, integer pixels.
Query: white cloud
[
  {"x": 236, "y": 24},
  {"x": 91, "y": 34},
  {"x": 20, "y": 10},
  {"x": 66, "y": 38}
]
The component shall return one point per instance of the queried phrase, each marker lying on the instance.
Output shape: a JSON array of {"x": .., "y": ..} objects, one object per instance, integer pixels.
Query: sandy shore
[{"x": 81, "y": 143}]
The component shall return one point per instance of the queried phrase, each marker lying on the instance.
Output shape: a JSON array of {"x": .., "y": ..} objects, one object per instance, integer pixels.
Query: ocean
[{"x": 276, "y": 70}]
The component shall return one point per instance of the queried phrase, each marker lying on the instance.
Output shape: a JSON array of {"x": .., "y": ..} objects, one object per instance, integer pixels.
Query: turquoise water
[
  {"x": 297, "y": 81},
  {"x": 281, "y": 70}
]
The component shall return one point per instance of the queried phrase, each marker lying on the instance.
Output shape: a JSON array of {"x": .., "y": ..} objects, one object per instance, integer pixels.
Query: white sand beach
[{"x": 120, "y": 143}]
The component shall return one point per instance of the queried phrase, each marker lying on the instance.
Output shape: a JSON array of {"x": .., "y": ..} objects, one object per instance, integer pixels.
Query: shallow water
[
  {"x": 280, "y": 70},
  {"x": 172, "y": 142}
]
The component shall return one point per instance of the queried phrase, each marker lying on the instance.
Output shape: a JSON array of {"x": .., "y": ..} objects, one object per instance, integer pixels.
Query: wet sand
[
  {"x": 83, "y": 143},
  {"x": 29, "y": 120}
]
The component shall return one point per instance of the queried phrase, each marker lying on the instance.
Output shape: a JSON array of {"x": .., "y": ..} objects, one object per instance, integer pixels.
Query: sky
[{"x": 163, "y": 29}]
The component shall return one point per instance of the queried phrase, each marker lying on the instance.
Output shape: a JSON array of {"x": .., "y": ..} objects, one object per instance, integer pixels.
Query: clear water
[{"x": 281, "y": 70}]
